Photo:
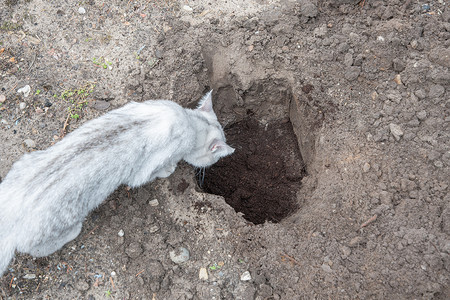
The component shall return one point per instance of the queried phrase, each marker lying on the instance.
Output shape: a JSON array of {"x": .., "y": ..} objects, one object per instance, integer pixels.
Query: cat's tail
[{"x": 6, "y": 253}]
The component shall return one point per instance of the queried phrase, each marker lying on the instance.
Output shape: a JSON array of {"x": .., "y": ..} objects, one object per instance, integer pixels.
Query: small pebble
[
  {"x": 396, "y": 131},
  {"x": 438, "y": 164},
  {"x": 421, "y": 115},
  {"x": 81, "y": 10},
  {"x": 22, "y": 105},
  {"x": 203, "y": 274},
  {"x": 346, "y": 251},
  {"x": 398, "y": 79},
  {"x": 120, "y": 233},
  {"x": 153, "y": 229},
  {"x": 113, "y": 274},
  {"x": 366, "y": 167},
  {"x": 29, "y": 143},
  {"x": 246, "y": 276},
  {"x": 2, "y": 98},
  {"x": 179, "y": 255},
  {"x": 326, "y": 268},
  {"x": 374, "y": 95},
  {"x": 25, "y": 91},
  {"x": 101, "y": 105},
  {"x": 421, "y": 94},
  {"x": 348, "y": 59},
  {"x": 29, "y": 276},
  {"x": 153, "y": 202},
  {"x": 187, "y": 8}
]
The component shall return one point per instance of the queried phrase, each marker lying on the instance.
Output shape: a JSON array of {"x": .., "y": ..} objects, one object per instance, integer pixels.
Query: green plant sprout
[
  {"x": 214, "y": 267},
  {"x": 37, "y": 92},
  {"x": 101, "y": 62},
  {"x": 77, "y": 99}
]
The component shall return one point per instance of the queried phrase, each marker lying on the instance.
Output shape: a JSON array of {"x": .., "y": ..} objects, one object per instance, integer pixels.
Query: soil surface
[{"x": 365, "y": 86}]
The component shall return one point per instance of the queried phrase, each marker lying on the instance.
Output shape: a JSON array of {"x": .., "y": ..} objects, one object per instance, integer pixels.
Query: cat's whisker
[
  {"x": 203, "y": 176},
  {"x": 197, "y": 171}
]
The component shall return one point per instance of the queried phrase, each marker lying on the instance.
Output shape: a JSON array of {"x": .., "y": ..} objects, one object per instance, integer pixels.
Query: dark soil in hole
[{"x": 261, "y": 178}]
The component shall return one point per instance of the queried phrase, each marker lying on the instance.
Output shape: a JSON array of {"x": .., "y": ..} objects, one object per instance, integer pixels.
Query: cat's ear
[
  {"x": 220, "y": 148},
  {"x": 205, "y": 104}
]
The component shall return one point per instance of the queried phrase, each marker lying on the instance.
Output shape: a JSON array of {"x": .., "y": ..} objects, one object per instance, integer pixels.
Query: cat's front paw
[{"x": 166, "y": 171}]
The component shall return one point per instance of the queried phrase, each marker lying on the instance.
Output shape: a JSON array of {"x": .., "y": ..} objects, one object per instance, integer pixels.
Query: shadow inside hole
[{"x": 263, "y": 175}]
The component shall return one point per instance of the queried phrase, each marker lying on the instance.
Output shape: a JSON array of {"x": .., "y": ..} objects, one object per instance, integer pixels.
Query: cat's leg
[
  {"x": 143, "y": 176},
  {"x": 166, "y": 171},
  {"x": 50, "y": 246}
]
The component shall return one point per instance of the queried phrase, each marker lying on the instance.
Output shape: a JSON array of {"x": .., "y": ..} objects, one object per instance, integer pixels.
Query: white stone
[
  {"x": 246, "y": 276},
  {"x": 154, "y": 202},
  {"x": 121, "y": 233},
  {"x": 29, "y": 276},
  {"x": 81, "y": 11},
  {"x": 25, "y": 91},
  {"x": 153, "y": 229},
  {"x": 203, "y": 274}
]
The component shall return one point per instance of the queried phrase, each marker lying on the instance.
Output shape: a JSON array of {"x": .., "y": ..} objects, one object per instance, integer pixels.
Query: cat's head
[{"x": 211, "y": 143}]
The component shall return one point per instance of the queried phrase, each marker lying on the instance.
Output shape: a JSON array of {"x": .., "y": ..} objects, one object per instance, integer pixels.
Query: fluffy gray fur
[{"x": 47, "y": 194}]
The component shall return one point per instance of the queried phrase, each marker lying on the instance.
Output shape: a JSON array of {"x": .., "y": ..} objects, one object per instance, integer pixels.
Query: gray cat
[{"x": 47, "y": 194}]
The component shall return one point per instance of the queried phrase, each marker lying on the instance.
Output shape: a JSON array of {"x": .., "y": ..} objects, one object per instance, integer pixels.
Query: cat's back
[
  {"x": 103, "y": 143},
  {"x": 162, "y": 110}
]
